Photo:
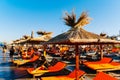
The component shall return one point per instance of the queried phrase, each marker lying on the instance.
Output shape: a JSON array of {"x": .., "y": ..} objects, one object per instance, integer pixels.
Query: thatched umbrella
[
  {"x": 78, "y": 36},
  {"x": 45, "y": 36},
  {"x": 43, "y": 33}
]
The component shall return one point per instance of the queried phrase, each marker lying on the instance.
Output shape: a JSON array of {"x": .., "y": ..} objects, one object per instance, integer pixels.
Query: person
[
  {"x": 4, "y": 48},
  {"x": 38, "y": 62},
  {"x": 20, "y": 52},
  {"x": 12, "y": 50}
]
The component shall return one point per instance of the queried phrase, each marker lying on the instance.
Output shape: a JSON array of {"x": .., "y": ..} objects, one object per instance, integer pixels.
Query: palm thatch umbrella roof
[
  {"x": 77, "y": 35},
  {"x": 34, "y": 40},
  {"x": 80, "y": 36},
  {"x": 22, "y": 40},
  {"x": 45, "y": 37},
  {"x": 15, "y": 41}
]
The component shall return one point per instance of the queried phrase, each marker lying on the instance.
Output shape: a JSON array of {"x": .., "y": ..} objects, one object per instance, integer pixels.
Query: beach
[{"x": 8, "y": 71}]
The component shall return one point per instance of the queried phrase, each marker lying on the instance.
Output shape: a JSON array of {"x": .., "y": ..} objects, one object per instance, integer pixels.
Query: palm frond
[
  {"x": 26, "y": 36},
  {"x": 83, "y": 20},
  {"x": 40, "y": 32},
  {"x": 70, "y": 19},
  {"x": 43, "y": 33}
]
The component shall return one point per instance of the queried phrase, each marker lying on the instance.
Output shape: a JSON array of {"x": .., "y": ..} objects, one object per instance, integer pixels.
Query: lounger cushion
[{"x": 103, "y": 76}]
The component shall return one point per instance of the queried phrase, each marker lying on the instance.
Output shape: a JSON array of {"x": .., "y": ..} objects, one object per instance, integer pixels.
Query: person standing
[
  {"x": 12, "y": 50},
  {"x": 4, "y": 49}
]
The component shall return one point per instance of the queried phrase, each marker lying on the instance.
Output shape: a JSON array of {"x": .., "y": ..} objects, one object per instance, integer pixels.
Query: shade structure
[
  {"x": 20, "y": 41},
  {"x": 37, "y": 40},
  {"x": 23, "y": 41},
  {"x": 33, "y": 40},
  {"x": 78, "y": 36}
]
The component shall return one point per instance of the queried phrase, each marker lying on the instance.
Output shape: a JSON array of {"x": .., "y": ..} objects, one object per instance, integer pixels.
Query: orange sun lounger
[
  {"x": 104, "y": 65},
  {"x": 104, "y": 60},
  {"x": 70, "y": 76},
  {"x": 21, "y": 62},
  {"x": 39, "y": 71},
  {"x": 103, "y": 76}
]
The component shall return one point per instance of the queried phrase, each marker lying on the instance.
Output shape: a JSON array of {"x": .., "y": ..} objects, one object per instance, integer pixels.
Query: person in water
[
  {"x": 4, "y": 49},
  {"x": 12, "y": 50}
]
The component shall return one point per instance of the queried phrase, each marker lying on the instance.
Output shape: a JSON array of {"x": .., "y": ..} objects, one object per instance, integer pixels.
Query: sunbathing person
[
  {"x": 44, "y": 63},
  {"x": 45, "y": 68}
]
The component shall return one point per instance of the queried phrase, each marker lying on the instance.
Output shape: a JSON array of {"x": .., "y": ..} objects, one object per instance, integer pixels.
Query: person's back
[{"x": 12, "y": 52}]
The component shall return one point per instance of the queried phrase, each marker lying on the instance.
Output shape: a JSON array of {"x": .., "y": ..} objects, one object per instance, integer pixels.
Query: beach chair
[
  {"x": 103, "y": 76},
  {"x": 24, "y": 61},
  {"x": 112, "y": 66},
  {"x": 105, "y": 64},
  {"x": 70, "y": 76},
  {"x": 103, "y": 60},
  {"x": 41, "y": 70}
]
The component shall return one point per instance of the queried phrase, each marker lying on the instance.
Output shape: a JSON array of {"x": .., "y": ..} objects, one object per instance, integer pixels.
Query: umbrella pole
[
  {"x": 101, "y": 51},
  {"x": 44, "y": 53},
  {"x": 77, "y": 61}
]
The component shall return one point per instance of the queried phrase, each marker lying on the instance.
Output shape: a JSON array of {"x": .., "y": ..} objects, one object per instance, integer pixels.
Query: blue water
[{"x": 8, "y": 71}]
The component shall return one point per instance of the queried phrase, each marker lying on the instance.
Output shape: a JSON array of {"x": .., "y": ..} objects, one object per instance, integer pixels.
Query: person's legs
[{"x": 11, "y": 57}]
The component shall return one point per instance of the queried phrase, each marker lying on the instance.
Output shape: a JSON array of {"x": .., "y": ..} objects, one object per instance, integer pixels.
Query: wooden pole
[
  {"x": 44, "y": 53},
  {"x": 77, "y": 61},
  {"x": 101, "y": 51}
]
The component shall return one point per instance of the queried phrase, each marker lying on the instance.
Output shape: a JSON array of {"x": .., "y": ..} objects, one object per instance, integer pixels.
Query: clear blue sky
[{"x": 20, "y": 17}]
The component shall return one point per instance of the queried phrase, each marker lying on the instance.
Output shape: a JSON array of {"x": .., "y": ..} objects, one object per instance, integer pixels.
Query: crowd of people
[{"x": 64, "y": 51}]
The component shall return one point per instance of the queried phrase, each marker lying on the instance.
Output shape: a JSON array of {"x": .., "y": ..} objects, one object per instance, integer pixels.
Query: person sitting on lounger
[
  {"x": 44, "y": 63},
  {"x": 40, "y": 60}
]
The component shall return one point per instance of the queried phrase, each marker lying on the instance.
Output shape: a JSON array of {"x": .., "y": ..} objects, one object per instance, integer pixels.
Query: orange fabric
[
  {"x": 115, "y": 63},
  {"x": 71, "y": 76},
  {"x": 103, "y": 76},
  {"x": 115, "y": 50},
  {"x": 102, "y": 66},
  {"x": 28, "y": 53},
  {"x": 104, "y": 60},
  {"x": 30, "y": 69},
  {"x": 34, "y": 58},
  {"x": 58, "y": 66},
  {"x": 25, "y": 55},
  {"x": 73, "y": 73},
  {"x": 32, "y": 51}
]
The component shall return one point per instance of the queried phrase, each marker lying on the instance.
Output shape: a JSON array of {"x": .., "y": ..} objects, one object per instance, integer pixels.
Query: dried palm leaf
[
  {"x": 83, "y": 20},
  {"x": 70, "y": 19},
  {"x": 43, "y": 33},
  {"x": 40, "y": 32},
  {"x": 26, "y": 36}
]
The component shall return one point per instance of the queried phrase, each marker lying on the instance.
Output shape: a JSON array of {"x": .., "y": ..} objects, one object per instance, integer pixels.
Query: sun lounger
[
  {"x": 105, "y": 64},
  {"x": 103, "y": 76},
  {"x": 41, "y": 70},
  {"x": 113, "y": 66},
  {"x": 70, "y": 76},
  {"x": 21, "y": 62},
  {"x": 104, "y": 60}
]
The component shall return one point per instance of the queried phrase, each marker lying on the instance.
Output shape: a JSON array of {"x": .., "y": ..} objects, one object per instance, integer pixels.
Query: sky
[{"x": 21, "y": 17}]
